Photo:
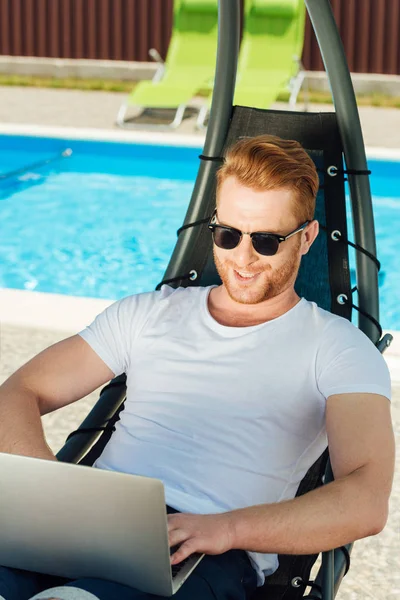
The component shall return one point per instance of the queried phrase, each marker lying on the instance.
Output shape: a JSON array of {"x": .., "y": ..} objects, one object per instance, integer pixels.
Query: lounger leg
[
  {"x": 295, "y": 85},
  {"x": 178, "y": 116},
  {"x": 121, "y": 115},
  {"x": 203, "y": 112}
]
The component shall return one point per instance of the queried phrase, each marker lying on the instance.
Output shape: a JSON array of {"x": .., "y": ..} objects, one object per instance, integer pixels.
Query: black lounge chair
[{"x": 328, "y": 138}]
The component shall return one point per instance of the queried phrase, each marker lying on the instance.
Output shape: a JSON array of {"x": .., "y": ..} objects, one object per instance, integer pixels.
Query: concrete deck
[
  {"x": 30, "y": 323},
  {"x": 74, "y": 108}
]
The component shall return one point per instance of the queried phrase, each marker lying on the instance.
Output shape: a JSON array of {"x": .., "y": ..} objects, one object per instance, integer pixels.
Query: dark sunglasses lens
[
  {"x": 265, "y": 244},
  {"x": 226, "y": 238}
]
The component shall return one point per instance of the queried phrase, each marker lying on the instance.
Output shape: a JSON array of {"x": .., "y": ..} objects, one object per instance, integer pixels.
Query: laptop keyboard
[{"x": 177, "y": 568}]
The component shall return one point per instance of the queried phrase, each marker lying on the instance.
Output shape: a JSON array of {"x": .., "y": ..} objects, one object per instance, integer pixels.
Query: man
[{"x": 233, "y": 392}]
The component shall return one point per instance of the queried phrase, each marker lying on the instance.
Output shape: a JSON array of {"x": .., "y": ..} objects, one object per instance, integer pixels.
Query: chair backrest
[
  {"x": 323, "y": 277},
  {"x": 193, "y": 43},
  {"x": 319, "y": 135},
  {"x": 273, "y": 36}
]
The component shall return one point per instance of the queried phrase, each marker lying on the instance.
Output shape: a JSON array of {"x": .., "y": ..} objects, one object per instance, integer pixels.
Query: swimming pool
[{"x": 102, "y": 222}]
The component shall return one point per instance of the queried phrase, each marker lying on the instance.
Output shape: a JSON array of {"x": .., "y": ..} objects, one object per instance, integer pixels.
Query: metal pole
[
  {"x": 225, "y": 75},
  {"x": 328, "y": 573},
  {"x": 221, "y": 108},
  {"x": 334, "y": 58},
  {"x": 333, "y": 564}
]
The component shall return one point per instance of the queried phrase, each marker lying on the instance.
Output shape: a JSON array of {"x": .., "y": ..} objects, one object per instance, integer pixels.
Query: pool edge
[
  {"x": 144, "y": 137},
  {"x": 40, "y": 310},
  {"x": 107, "y": 135}
]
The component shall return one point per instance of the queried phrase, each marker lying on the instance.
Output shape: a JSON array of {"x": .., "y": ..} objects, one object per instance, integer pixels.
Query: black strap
[
  {"x": 368, "y": 316},
  {"x": 191, "y": 274},
  {"x": 347, "y": 558},
  {"x": 200, "y": 222},
  {"x": 316, "y": 586},
  {"x": 301, "y": 583},
  {"x": 341, "y": 238},
  {"x": 312, "y": 584},
  {"x": 366, "y": 252},
  {"x": 212, "y": 158},
  {"x": 180, "y": 278},
  {"x": 354, "y": 172},
  {"x": 346, "y": 171},
  {"x": 89, "y": 429}
]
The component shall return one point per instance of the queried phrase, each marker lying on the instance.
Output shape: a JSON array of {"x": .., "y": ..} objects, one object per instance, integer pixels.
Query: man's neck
[{"x": 227, "y": 311}]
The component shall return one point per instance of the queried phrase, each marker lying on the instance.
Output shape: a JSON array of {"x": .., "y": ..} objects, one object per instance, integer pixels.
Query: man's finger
[
  {"x": 177, "y": 536},
  {"x": 173, "y": 521},
  {"x": 185, "y": 550}
]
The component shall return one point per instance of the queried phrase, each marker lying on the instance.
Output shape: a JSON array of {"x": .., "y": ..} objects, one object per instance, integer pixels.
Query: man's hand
[{"x": 207, "y": 534}]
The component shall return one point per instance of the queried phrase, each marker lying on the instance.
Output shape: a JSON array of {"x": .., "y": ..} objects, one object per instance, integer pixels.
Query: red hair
[{"x": 268, "y": 162}]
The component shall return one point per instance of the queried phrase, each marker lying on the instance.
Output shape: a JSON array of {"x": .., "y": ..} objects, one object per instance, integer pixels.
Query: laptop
[{"x": 77, "y": 521}]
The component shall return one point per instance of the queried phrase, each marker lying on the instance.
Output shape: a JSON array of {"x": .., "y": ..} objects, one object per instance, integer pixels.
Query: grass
[
  {"x": 375, "y": 99},
  {"x": 104, "y": 85},
  {"x": 107, "y": 85}
]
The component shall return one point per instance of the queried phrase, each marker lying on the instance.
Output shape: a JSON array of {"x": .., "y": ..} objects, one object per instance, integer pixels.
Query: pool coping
[
  {"x": 43, "y": 310},
  {"x": 106, "y": 135},
  {"x": 144, "y": 137}
]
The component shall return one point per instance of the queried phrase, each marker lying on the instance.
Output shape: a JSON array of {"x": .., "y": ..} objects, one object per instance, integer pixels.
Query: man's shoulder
[
  {"x": 164, "y": 293},
  {"x": 338, "y": 335},
  {"x": 320, "y": 317},
  {"x": 181, "y": 294},
  {"x": 323, "y": 316},
  {"x": 333, "y": 328},
  {"x": 162, "y": 300}
]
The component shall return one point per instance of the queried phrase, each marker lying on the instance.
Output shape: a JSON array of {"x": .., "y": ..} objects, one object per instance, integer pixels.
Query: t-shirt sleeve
[
  {"x": 114, "y": 330},
  {"x": 348, "y": 362}
]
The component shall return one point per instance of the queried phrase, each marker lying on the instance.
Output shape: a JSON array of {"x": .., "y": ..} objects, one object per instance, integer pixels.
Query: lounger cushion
[
  {"x": 208, "y": 6},
  {"x": 276, "y": 8}
]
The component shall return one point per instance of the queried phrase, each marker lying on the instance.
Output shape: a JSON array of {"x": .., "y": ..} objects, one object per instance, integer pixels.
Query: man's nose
[{"x": 244, "y": 253}]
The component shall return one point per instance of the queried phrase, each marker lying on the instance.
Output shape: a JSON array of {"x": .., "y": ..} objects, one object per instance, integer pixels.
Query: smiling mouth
[{"x": 245, "y": 277}]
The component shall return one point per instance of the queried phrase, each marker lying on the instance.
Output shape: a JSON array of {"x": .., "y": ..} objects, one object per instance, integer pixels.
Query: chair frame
[
  {"x": 333, "y": 562},
  {"x": 331, "y": 48}
]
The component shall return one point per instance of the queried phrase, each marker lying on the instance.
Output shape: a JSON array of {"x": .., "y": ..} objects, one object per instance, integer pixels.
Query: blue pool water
[{"x": 102, "y": 223}]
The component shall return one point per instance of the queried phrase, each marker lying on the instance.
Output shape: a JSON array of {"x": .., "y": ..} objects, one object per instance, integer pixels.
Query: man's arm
[
  {"x": 355, "y": 505},
  {"x": 60, "y": 375}
]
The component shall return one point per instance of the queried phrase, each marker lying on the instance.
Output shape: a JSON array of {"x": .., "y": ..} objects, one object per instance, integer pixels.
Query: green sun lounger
[
  {"x": 189, "y": 66},
  {"x": 271, "y": 49},
  {"x": 270, "y": 52}
]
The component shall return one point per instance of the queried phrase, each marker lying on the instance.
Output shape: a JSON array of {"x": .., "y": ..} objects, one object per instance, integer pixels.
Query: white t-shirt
[{"x": 226, "y": 417}]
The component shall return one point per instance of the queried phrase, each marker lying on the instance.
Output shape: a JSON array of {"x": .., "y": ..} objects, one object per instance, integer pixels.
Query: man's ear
[{"x": 309, "y": 236}]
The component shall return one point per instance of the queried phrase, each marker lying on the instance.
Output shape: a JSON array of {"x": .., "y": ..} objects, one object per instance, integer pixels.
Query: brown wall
[{"x": 126, "y": 29}]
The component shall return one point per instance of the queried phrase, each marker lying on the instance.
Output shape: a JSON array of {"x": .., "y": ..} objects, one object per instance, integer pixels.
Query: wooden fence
[{"x": 126, "y": 29}]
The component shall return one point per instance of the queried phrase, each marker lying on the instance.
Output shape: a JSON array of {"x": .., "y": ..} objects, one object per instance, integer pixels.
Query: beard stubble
[{"x": 265, "y": 289}]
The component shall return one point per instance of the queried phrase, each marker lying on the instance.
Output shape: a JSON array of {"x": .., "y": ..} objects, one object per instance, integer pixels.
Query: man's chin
[{"x": 247, "y": 296}]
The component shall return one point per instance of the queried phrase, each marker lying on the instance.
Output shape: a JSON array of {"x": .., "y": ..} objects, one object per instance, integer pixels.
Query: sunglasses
[{"x": 264, "y": 243}]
